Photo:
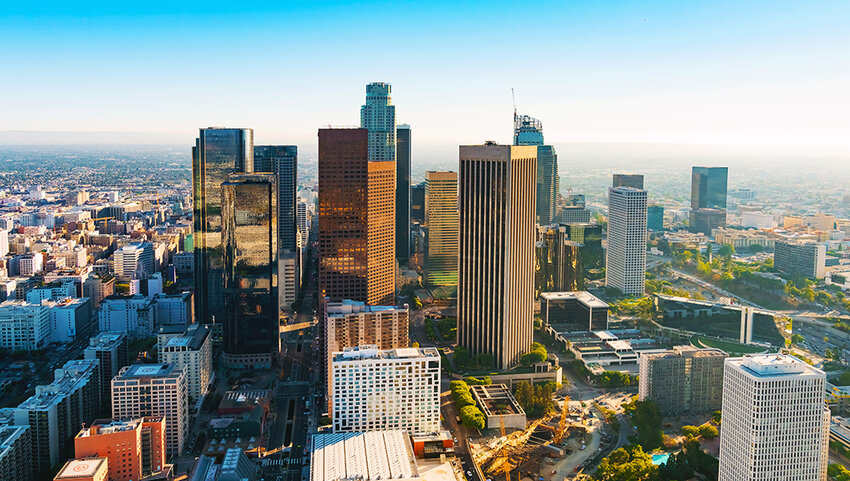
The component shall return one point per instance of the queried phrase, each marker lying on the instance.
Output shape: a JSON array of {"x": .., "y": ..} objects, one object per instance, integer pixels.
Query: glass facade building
[
  {"x": 529, "y": 131},
  {"x": 442, "y": 218},
  {"x": 402, "y": 195},
  {"x": 218, "y": 153},
  {"x": 558, "y": 265},
  {"x": 250, "y": 256},
  {"x": 708, "y": 187}
]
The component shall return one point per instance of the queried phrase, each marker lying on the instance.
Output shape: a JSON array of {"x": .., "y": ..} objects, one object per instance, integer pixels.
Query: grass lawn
[{"x": 733, "y": 348}]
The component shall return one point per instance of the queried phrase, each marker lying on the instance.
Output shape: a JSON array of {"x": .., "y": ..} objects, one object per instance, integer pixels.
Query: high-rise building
[
  {"x": 573, "y": 214},
  {"x": 15, "y": 452},
  {"x": 705, "y": 220},
  {"x": 496, "y": 261},
  {"x": 708, "y": 191},
  {"x": 441, "y": 217},
  {"x": 131, "y": 314},
  {"x": 250, "y": 253},
  {"x": 800, "y": 258},
  {"x": 134, "y": 261},
  {"x": 558, "y": 263},
  {"x": 402, "y": 194},
  {"x": 189, "y": 348},
  {"x": 282, "y": 160},
  {"x": 417, "y": 203},
  {"x": 529, "y": 131},
  {"x": 97, "y": 288},
  {"x": 350, "y": 323},
  {"x": 684, "y": 379},
  {"x": 112, "y": 351},
  {"x": 356, "y": 219},
  {"x": 142, "y": 390},
  {"x": 625, "y": 267},
  {"x": 135, "y": 447},
  {"x": 24, "y": 327},
  {"x": 379, "y": 390},
  {"x": 655, "y": 217},
  {"x": 628, "y": 180},
  {"x": 775, "y": 420},
  {"x": 377, "y": 116},
  {"x": 57, "y": 410},
  {"x": 591, "y": 251},
  {"x": 218, "y": 153}
]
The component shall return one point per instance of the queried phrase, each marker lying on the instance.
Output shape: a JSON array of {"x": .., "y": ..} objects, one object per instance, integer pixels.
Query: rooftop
[
  {"x": 81, "y": 468},
  {"x": 146, "y": 370},
  {"x": 348, "y": 306},
  {"x": 584, "y": 297},
  {"x": 362, "y": 456},
  {"x": 771, "y": 365},
  {"x": 372, "y": 352}
]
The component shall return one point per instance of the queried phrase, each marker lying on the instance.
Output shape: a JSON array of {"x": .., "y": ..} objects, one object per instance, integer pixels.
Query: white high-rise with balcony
[
  {"x": 376, "y": 390},
  {"x": 775, "y": 420},
  {"x": 625, "y": 265}
]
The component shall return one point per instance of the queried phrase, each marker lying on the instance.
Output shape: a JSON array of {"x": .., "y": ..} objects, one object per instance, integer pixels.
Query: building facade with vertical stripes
[{"x": 496, "y": 260}]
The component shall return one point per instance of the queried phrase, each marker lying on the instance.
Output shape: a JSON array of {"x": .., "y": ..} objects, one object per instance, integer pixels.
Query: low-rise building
[
  {"x": 499, "y": 406},
  {"x": 573, "y": 311},
  {"x": 366, "y": 456},
  {"x": 85, "y": 469}
]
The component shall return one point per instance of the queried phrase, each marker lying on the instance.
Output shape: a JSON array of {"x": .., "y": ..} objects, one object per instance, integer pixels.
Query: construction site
[{"x": 532, "y": 453}]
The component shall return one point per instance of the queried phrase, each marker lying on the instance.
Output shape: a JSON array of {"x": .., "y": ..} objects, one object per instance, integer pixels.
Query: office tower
[
  {"x": 24, "y": 327},
  {"x": 708, "y": 191},
  {"x": 15, "y": 452},
  {"x": 134, "y": 261},
  {"x": 496, "y": 261},
  {"x": 441, "y": 217},
  {"x": 378, "y": 117},
  {"x": 628, "y": 180},
  {"x": 85, "y": 469},
  {"x": 684, "y": 379},
  {"x": 4, "y": 242},
  {"x": 417, "y": 203},
  {"x": 402, "y": 195},
  {"x": 173, "y": 308},
  {"x": 111, "y": 350},
  {"x": 775, "y": 420},
  {"x": 282, "y": 160},
  {"x": 142, "y": 390},
  {"x": 404, "y": 395},
  {"x": 304, "y": 221},
  {"x": 189, "y": 348},
  {"x": 573, "y": 215},
  {"x": 70, "y": 319},
  {"x": 655, "y": 217},
  {"x": 218, "y": 153},
  {"x": 558, "y": 264},
  {"x": 56, "y": 411},
  {"x": 591, "y": 251},
  {"x": 625, "y": 267},
  {"x": 141, "y": 441},
  {"x": 356, "y": 219},
  {"x": 97, "y": 288},
  {"x": 705, "y": 220},
  {"x": 529, "y": 131},
  {"x": 576, "y": 311},
  {"x": 250, "y": 254},
  {"x": 350, "y": 323},
  {"x": 131, "y": 314},
  {"x": 800, "y": 258}
]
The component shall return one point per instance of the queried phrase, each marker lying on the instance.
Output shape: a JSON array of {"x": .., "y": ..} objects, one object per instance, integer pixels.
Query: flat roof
[
  {"x": 774, "y": 365},
  {"x": 584, "y": 297},
  {"x": 81, "y": 468},
  {"x": 147, "y": 370},
  {"x": 372, "y": 352},
  {"x": 376, "y": 455}
]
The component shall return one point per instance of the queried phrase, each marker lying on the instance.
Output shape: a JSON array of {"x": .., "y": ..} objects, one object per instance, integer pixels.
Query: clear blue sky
[{"x": 716, "y": 72}]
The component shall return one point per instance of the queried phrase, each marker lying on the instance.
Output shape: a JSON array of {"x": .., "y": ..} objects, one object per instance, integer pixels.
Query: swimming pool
[{"x": 658, "y": 459}]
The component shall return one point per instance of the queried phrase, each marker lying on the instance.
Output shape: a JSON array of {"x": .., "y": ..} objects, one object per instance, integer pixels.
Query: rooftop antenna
[{"x": 513, "y": 97}]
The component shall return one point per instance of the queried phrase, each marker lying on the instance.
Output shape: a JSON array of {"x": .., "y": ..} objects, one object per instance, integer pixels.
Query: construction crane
[
  {"x": 506, "y": 465},
  {"x": 562, "y": 425}
]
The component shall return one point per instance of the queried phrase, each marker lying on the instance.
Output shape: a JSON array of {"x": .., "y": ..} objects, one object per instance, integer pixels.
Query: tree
[
  {"x": 716, "y": 417},
  {"x": 415, "y": 344},
  {"x": 689, "y": 430},
  {"x": 646, "y": 419},
  {"x": 756, "y": 248},
  {"x": 461, "y": 358},
  {"x": 626, "y": 464},
  {"x": 797, "y": 339},
  {"x": 707, "y": 431},
  {"x": 726, "y": 250},
  {"x": 472, "y": 417}
]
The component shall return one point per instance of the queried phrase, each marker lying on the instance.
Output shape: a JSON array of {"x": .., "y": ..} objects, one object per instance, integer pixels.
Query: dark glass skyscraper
[
  {"x": 250, "y": 255},
  {"x": 529, "y": 131},
  {"x": 417, "y": 203},
  {"x": 628, "y": 180},
  {"x": 708, "y": 187},
  {"x": 402, "y": 195},
  {"x": 282, "y": 160},
  {"x": 558, "y": 265},
  {"x": 218, "y": 153}
]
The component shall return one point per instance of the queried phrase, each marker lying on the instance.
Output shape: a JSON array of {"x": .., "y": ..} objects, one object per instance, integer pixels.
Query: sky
[{"x": 774, "y": 74}]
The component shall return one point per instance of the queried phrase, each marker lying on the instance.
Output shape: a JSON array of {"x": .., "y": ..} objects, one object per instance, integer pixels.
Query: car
[
  {"x": 583, "y": 447},
  {"x": 469, "y": 473},
  {"x": 456, "y": 441}
]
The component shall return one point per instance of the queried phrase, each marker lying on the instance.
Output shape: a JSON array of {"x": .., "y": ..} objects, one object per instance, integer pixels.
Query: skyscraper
[
  {"x": 496, "y": 261},
  {"x": 417, "y": 203},
  {"x": 529, "y": 131},
  {"x": 250, "y": 253},
  {"x": 625, "y": 268},
  {"x": 356, "y": 220},
  {"x": 628, "y": 180},
  {"x": 282, "y": 160},
  {"x": 558, "y": 264},
  {"x": 775, "y": 420},
  {"x": 217, "y": 153},
  {"x": 708, "y": 191},
  {"x": 441, "y": 216},
  {"x": 402, "y": 195},
  {"x": 378, "y": 117}
]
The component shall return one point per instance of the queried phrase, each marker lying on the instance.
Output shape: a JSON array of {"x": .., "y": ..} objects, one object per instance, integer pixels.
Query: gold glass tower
[{"x": 441, "y": 218}]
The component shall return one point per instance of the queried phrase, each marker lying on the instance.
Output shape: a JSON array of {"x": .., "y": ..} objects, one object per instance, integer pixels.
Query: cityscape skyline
[{"x": 674, "y": 82}]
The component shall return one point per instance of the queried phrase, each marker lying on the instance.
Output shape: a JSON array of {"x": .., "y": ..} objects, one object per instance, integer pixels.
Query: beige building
[
  {"x": 153, "y": 390},
  {"x": 441, "y": 219},
  {"x": 189, "y": 348},
  {"x": 684, "y": 379},
  {"x": 497, "y": 186},
  {"x": 350, "y": 324}
]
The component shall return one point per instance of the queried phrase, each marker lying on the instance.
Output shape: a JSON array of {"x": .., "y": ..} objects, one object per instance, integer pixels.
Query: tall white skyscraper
[
  {"x": 625, "y": 265},
  {"x": 378, "y": 116},
  {"x": 775, "y": 421}
]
